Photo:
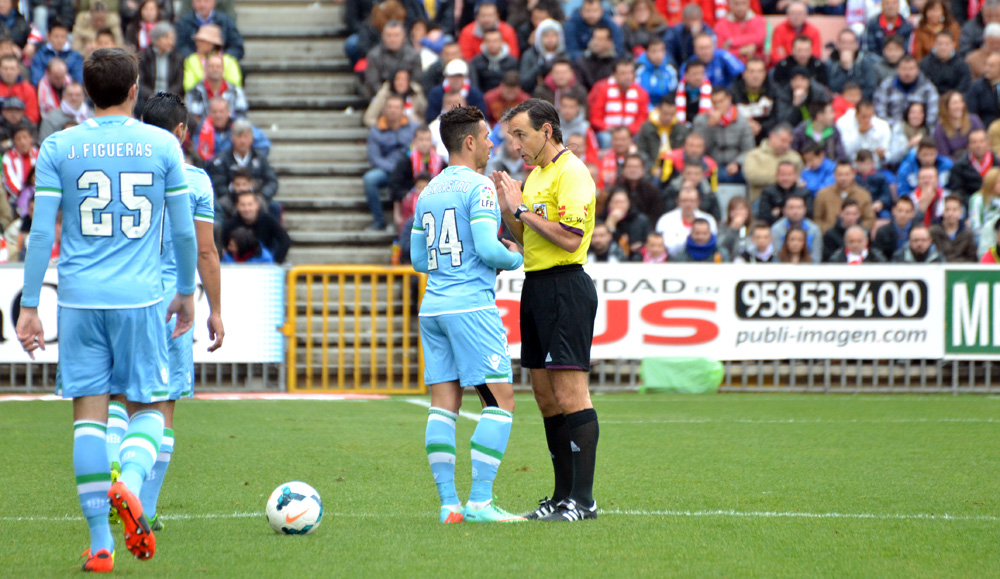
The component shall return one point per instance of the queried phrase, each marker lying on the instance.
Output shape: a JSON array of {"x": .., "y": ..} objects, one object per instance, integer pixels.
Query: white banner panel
[
  {"x": 252, "y": 311},
  {"x": 756, "y": 312}
]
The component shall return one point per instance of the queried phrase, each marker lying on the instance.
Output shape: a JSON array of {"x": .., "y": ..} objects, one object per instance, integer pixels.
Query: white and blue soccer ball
[{"x": 294, "y": 508}]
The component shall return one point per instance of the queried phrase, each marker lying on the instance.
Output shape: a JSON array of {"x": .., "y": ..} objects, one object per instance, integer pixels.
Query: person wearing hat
[
  {"x": 58, "y": 46},
  {"x": 203, "y": 12},
  {"x": 456, "y": 77},
  {"x": 215, "y": 86},
  {"x": 208, "y": 41},
  {"x": 12, "y": 118}
]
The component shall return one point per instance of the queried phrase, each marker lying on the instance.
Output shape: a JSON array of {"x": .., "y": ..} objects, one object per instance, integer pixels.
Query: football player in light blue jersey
[
  {"x": 167, "y": 111},
  {"x": 113, "y": 178},
  {"x": 454, "y": 240}
]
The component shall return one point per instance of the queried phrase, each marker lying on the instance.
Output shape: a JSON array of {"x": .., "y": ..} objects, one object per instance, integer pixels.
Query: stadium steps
[{"x": 304, "y": 94}]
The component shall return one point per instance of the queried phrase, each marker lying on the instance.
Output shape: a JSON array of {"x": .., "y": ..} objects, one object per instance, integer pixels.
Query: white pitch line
[
  {"x": 426, "y": 404},
  {"x": 615, "y": 512},
  {"x": 816, "y": 421}
]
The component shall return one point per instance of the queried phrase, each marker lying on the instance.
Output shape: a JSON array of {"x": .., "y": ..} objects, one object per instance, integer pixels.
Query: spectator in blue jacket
[
  {"x": 818, "y": 172},
  {"x": 204, "y": 12},
  {"x": 794, "y": 216},
  {"x": 581, "y": 26},
  {"x": 58, "y": 37},
  {"x": 655, "y": 73},
  {"x": 721, "y": 67},
  {"x": 388, "y": 142},
  {"x": 926, "y": 155},
  {"x": 680, "y": 37}
]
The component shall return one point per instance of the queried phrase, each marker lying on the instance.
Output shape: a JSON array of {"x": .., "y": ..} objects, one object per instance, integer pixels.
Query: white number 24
[
  {"x": 449, "y": 241},
  {"x": 132, "y": 227}
]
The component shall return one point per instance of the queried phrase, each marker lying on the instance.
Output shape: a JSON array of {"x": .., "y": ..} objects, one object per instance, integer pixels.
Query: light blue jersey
[
  {"x": 111, "y": 176},
  {"x": 202, "y": 209},
  {"x": 447, "y": 209}
]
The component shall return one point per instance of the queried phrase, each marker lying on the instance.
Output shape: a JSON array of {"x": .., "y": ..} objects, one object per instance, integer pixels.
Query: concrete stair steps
[
  {"x": 329, "y": 169},
  {"x": 322, "y": 187},
  {"x": 298, "y": 17},
  {"x": 339, "y": 255},
  {"x": 305, "y": 135},
  {"x": 280, "y": 119},
  {"x": 298, "y": 64},
  {"x": 318, "y": 153},
  {"x": 295, "y": 48},
  {"x": 323, "y": 221},
  {"x": 320, "y": 204},
  {"x": 355, "y": 238},
  {"x": 297, "y": 83},
  {"x": 315, "y": 102}
]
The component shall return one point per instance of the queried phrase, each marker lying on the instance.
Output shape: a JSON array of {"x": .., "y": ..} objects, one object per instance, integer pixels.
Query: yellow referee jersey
[{"x": 561, "y": 191}]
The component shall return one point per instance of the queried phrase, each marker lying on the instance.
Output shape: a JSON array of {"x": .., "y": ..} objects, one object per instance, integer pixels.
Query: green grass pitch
[{"x": 691, "y": 486}]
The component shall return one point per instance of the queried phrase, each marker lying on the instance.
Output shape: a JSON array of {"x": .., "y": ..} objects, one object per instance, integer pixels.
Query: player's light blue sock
[
  {"x": 489, "y": 442},
  {"x": 140, "y": 448},
  {"x": 440, "y": 442},
  {"x": 93, "y": 480},
  {"x": 117, "y": 426},
  {"x": 154, "y": 481}
]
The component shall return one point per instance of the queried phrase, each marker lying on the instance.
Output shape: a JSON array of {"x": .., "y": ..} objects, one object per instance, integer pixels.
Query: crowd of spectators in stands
[
  {"x": 196, "y": 56},
  {"x": 877, "y": 147}
]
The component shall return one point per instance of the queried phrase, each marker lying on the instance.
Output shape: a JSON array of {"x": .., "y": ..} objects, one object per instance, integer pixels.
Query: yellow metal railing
[{"x": 319, "y": 361}]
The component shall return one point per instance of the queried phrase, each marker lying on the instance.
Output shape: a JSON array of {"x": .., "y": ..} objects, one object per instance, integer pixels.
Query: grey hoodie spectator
[
  {"x": 392, "y": 54},
  {"x": 550, "y": 43},
  {"x": 919, "y": 249},
  {"x": 582, "y": 24}
]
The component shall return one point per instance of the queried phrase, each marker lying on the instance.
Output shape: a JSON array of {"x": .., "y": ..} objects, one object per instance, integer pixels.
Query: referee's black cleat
[
  {"x": 568, "y": 510},
  {"x": 546, "y": 507}
]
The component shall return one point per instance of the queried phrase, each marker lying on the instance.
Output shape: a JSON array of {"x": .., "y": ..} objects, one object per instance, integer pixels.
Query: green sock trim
[
  {"x": 497, "y": 411},
  {"x": 116, "y": 404},
  {"x": 487, "y": 451},
  {"x": 97, "y": 425},
  {"x": 444, "y": 413},
  {"x": 168, "y": 432},
  {"x": 156, "y": 447},
  {"x": 97, "y": 477},
  {"x": 440, "y": 448}
]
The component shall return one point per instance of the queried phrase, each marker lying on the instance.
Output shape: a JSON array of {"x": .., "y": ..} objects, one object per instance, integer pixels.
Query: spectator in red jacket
[
  {"x": 487, "y": 18},
  {"x": 795, "y": 25},
  {"x": 506, "y": 96},
  {"x": 618, "y": 101},
  {"x": 742, "y": 32},
  {"x": 13, "y": 85}
]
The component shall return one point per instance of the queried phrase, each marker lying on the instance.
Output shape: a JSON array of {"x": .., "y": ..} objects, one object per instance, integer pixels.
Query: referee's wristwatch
[{"x": 520, "y": 209}]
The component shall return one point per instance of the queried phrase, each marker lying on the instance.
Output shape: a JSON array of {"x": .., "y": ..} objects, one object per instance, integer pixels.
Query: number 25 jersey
[{"x": 112, "y": 175}]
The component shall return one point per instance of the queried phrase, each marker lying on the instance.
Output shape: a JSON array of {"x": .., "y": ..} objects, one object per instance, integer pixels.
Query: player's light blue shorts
[
  {"x": 121, "y": 351},
  {"x": 181, "y": 354},
  {"x": 470, "y": 347}
]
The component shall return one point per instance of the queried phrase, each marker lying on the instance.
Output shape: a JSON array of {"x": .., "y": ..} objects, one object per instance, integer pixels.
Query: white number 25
[{"x": 132, "y": 226}]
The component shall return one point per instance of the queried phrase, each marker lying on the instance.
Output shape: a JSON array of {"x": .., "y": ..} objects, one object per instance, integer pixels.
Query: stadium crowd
[
  {"x": 195, "y": 54},
  {"x": 715, "y": 130}
]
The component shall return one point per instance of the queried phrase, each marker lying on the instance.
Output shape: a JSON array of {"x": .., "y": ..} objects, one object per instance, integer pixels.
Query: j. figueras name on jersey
[
  {"x": 653, "y": 315},
  {"x": 101, "y": 150}
]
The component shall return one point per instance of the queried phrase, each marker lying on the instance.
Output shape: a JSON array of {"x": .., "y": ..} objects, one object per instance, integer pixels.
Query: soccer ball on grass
[{"x": 294, "y": 508}]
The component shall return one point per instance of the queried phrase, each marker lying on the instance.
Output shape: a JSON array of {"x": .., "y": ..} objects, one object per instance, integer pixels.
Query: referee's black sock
[
  {"x": 558, "y": 439},
  {"x": 584, "y": 432}
]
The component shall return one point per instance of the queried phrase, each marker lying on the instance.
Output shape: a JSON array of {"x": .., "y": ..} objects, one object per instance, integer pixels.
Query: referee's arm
[{"x": 551, "y": 231}]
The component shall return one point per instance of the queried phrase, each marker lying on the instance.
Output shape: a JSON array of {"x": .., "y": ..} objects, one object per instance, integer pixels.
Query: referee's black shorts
[{"x": 558, "y": 307}]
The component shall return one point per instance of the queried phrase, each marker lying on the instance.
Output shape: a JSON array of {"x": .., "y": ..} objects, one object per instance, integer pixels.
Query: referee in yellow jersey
[{"x": 553, "y": 220}]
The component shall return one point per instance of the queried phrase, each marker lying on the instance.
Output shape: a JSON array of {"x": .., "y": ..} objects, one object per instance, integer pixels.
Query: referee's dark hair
[
  {"x": 539, "y": 113},
  {"x": 457, "y": 124},
  {"x": 165, "y": 110}
]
